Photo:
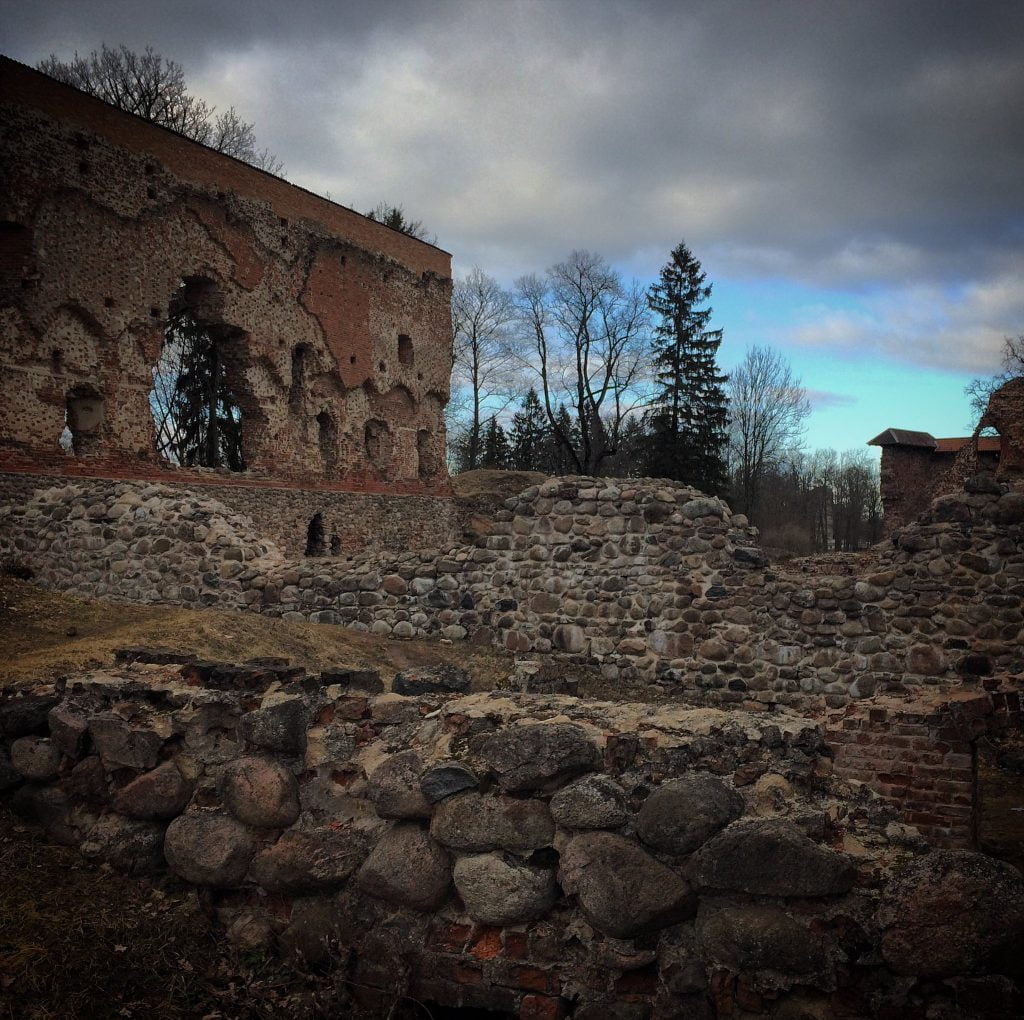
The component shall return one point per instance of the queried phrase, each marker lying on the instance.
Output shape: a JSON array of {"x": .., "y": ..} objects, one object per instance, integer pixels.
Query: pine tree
[
  {"x": 688, "y": 427},
  {"x": 496, "y": 452},
  {"x": 529, "y": 435}
]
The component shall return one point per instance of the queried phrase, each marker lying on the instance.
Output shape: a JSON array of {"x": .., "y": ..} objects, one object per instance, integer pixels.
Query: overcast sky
[{"x": 851, "y": 175}]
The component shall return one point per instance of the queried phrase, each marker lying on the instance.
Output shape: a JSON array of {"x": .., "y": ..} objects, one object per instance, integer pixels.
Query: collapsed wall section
[{"x": 535, "y": 856}]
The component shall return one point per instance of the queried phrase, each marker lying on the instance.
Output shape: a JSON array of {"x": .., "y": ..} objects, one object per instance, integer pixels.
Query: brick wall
[
  {"x": 920, "y": 756},
  {"x": 336, "y": 330}
]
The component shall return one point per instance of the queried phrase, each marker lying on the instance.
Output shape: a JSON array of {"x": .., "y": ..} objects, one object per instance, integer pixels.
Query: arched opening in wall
[
  {"x": 315, "y": 538},
  {"x": 327, "y": 438},
  {"x": 425, "y": 458},
  {"x": 405, "y": 351},
  {"x": 197, "y": 414},
  {"x": 297, "y": 389},
  {"x": 83, "y": 416},
  {"x": 377, "y": 440}
]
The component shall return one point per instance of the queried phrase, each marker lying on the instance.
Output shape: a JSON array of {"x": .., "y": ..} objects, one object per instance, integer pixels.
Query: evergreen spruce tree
[
  {"x": 496, "y": 452},
  {"x": 557, "y": 460},
  {"x": 529, "y": 435},
  {"x": 689, "y": 423}
]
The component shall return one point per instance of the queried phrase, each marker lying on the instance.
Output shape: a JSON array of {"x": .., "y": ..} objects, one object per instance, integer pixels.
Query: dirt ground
[
  {"x": 44, "y": 634},
  {"x": 81, "y": 942}
]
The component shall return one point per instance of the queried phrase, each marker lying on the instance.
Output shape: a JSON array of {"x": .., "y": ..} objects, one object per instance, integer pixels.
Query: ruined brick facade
[
  {"x": 916, "y": 468},
  {"x": 1005, "y": 414},
  {"x": 336, "y": 330}
]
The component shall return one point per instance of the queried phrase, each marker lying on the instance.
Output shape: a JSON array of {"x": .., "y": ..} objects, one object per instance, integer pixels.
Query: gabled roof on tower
[{"x": 903, "y": 437}]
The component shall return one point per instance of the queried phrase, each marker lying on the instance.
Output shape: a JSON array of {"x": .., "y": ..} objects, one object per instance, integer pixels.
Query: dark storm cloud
[{"x": 865, "y": 145}]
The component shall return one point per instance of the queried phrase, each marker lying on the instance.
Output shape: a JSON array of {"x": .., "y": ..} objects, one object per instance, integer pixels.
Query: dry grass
[
  {"x": 494, "y": 486},
  {"x": 44, "y": 634}
]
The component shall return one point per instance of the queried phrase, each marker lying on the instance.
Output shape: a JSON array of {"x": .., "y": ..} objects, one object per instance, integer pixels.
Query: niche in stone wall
[
  {"x": 426, "y": 460},
  {"x": 327, "y": 439},
  {"x": 405, "y": 351},
  {"x": 83, "y": 418},
  {"x": 378, "y": 441},
  {"x": 316, "y": 541},
  {"x": 199, "y": 382}
]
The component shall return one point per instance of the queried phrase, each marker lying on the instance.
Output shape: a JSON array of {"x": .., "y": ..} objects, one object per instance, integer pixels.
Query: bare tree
[
  {"x": 484, "y": 367},
  {"x": 154, "y": 88},
  {"x": 769, "y": 408},
  {"x": 587, "y": 338},
  {"x": 979, "y": 390}
]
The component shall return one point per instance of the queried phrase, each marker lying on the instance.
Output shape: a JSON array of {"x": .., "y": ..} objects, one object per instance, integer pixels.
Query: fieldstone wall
[
  {"x": 349, "y": 523},
  {"x": 537, "y": 856},
  {"x": 649, "y": 582}
]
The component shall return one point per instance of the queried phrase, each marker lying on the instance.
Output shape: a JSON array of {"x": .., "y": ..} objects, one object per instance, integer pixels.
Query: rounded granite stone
[
  {"x": 208, "y": 848},
  {"x": 260, "y": 792}
]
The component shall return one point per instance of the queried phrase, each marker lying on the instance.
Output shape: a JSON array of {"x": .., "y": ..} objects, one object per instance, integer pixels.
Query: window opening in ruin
[
  {"x": 297, "y": 389},
  {"x": 327, "y": 438},
  {"x": 83, "y": 416},
  {"x": 66, "y": 441},
  {"x": 315, "y": 544},
  {"x": 57, "y": 359},
  {"x": 426, "y": 461},
  {"x": 377, "y": 439},
  {"x": 197, "y": 417},
  {"x": 405, "y": 353}
]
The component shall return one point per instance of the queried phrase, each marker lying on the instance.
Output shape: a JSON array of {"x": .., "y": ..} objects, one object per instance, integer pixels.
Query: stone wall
[
  {"x": 536, "y": 856},
  {"x": 350, "y": 523},
  {"x": 335, "y": 330},
  {"x": 648, "y": 582}
]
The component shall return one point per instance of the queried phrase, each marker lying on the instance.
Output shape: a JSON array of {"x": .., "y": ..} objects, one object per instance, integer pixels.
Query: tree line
[{"x": 580, "y": 371}]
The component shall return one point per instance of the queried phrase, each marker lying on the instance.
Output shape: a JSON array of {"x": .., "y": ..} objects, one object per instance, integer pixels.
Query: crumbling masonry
[{"x": 335, "y": 330}]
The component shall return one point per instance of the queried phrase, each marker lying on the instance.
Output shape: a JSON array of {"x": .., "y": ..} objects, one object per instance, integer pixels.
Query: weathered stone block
[
  {"x": 623, "y": 890},
  {"x": 472, "y": 822},
  {"x": 408, "y": 868},
  {"x": 770, "y": 858},
  {"x": 683, "y": 814},
  {"x": 539, "y": 756},
  {"x": 503, "y": 891},
  {"x": 260, "y": 792},
  {"x": 208, "y": 848}
]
